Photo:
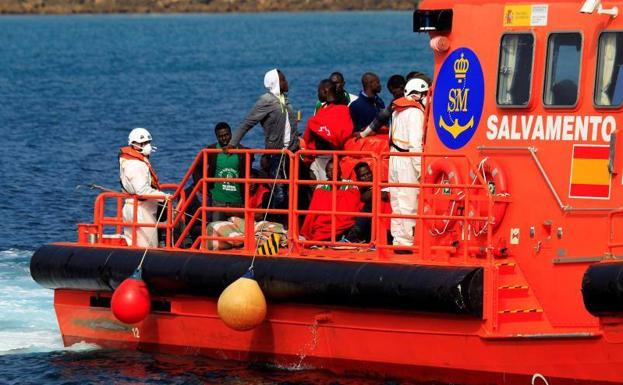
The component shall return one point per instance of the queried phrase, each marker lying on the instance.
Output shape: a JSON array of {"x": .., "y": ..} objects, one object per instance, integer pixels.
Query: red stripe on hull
[
  {"x": 385, "y": 344},
  {"x": 591, "y": 152},
  {"x": 590, "y": 190}
]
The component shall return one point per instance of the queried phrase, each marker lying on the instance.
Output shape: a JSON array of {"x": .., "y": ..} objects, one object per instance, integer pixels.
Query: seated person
[
  {"x": 317, "y": 227},
  {"x": 319, "y": 162},
  {"x": 361, "y": 230},
  {"x": 329, "y": 169}
]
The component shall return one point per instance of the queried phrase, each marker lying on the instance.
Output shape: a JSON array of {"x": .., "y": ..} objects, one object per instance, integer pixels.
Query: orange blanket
[{"x": 317, "y": 227}]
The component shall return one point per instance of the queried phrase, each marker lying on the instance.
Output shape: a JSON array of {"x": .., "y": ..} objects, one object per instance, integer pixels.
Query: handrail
[
  {"x": 532, "y": 151},
  {"x": 180, "y": 221}
]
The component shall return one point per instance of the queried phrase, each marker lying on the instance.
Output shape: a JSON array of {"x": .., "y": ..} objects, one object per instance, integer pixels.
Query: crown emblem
[{"x": 461, "y": 66}]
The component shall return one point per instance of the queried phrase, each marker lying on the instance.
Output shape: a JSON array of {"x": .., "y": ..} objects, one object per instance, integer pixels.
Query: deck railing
[{"x": 186, "y": 220}]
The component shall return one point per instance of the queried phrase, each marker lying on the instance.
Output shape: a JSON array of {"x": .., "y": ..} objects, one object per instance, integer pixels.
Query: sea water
[{"x": 72, "y": 87}]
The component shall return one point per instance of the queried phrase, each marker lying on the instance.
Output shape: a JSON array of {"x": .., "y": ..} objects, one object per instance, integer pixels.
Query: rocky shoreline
[{"x": 181, "y": 6}]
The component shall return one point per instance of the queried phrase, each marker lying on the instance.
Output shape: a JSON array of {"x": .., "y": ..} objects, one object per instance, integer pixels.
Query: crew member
[
  {"x": 405, "y": 135},
  {"x": 139, "y": 178},
  {"x": 274, "y": 112}
]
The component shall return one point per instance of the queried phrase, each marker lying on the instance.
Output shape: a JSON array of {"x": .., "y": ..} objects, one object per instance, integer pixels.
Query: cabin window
[
  {"x": 563, "y": 69},
  {"x": 515, "y": 70},
  {"x": 609, "y": 79}
]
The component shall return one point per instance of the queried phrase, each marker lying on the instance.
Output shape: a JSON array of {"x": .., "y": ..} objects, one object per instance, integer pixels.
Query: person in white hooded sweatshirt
[
  {"x": 139, "y": 178},
  {"x": 405, "y": 135},
  {"x": 274, "y": 112}
]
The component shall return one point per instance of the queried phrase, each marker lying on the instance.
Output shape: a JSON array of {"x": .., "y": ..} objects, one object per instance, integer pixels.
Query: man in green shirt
[{"x": 224, "y": 165}]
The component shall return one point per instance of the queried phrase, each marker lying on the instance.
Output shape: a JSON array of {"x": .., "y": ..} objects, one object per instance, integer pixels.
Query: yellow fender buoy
[{"x": 242, "y": 305}]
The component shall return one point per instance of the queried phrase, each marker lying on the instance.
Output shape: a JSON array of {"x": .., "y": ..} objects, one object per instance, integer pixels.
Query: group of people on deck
[{"x": 341, "y": 121}]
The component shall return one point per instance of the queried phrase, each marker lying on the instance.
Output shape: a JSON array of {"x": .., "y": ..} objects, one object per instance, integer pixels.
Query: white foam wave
[
  {"x": 299, "y": 367},
  {"x": 27, "y": 322},
  {"x": 15, "y": 253},
  {"x": 83, "y": 347},
  {"x": 29, "y": 341}
]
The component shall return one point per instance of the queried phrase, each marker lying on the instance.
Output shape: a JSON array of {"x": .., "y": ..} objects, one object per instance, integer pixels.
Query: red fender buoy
[{"x": 131, "y": 301}]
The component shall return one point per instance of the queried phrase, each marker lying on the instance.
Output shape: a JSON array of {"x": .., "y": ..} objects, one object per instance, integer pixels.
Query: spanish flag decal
[
  {"x": 270, "y": 246},
  {"x": 589, "y": 172}
]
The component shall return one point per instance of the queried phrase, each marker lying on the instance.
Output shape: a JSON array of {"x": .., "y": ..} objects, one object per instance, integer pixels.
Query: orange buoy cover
[
  {"x": 377, "y": 144},
  {"x": 131, "y": 301},
  {"x": 242, "y": 305}
]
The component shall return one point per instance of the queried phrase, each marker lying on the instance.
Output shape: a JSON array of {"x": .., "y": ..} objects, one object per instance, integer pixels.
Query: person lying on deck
[{"x": 234, "y": 227}]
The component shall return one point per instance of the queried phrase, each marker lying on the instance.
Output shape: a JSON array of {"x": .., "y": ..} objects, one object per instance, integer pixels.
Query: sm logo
[{"x": 458, "y": 98}]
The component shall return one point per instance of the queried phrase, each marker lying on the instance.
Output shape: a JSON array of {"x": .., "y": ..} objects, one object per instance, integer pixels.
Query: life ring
[
  {"x": 495, "y": 179},
  {"x": 441, "y": 171}
]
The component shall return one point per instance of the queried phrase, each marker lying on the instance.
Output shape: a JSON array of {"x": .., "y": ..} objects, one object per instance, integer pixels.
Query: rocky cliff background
[{"x": 146, "y": 6}]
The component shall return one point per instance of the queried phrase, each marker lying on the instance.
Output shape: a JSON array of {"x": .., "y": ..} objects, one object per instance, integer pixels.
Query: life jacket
[
  {"x": 399, "y": 105},
  {"x": 403, "y": 103},
  {"x": 128, "y": 152}
]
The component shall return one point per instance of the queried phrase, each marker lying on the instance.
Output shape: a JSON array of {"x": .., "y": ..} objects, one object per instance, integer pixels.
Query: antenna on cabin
[{"x": 591, "y": 6}]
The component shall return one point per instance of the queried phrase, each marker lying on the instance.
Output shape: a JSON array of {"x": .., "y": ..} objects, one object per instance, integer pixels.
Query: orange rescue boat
[{"x": 515, "y": 275}]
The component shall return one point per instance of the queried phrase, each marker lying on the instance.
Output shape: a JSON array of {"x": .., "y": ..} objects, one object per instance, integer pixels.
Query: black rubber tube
[
  {"x": 602, "y": 289},
  {"x": 443, "y": 289}
]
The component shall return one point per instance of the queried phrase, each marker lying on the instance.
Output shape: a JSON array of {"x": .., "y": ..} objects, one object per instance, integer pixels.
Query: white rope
[
  {"x": 460, "y": 196},
  {"x": 270, "y": 199},
  {"x": 481, "y": 169},
  {"x": 164, "y": 208}
]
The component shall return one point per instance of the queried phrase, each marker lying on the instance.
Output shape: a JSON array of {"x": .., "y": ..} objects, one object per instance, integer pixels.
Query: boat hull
[{"x": 387, "y": 344}]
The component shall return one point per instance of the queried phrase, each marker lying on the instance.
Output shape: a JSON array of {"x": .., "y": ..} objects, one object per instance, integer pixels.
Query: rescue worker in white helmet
[
  {"x": 139, "y": 178},
  {"x": 406, "y": 135}
]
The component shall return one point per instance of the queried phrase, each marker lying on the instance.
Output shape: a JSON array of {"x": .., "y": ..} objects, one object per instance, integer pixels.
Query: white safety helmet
[
  {"x": 416, "y": 85},
  {"x": 139, "y": 135}
]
